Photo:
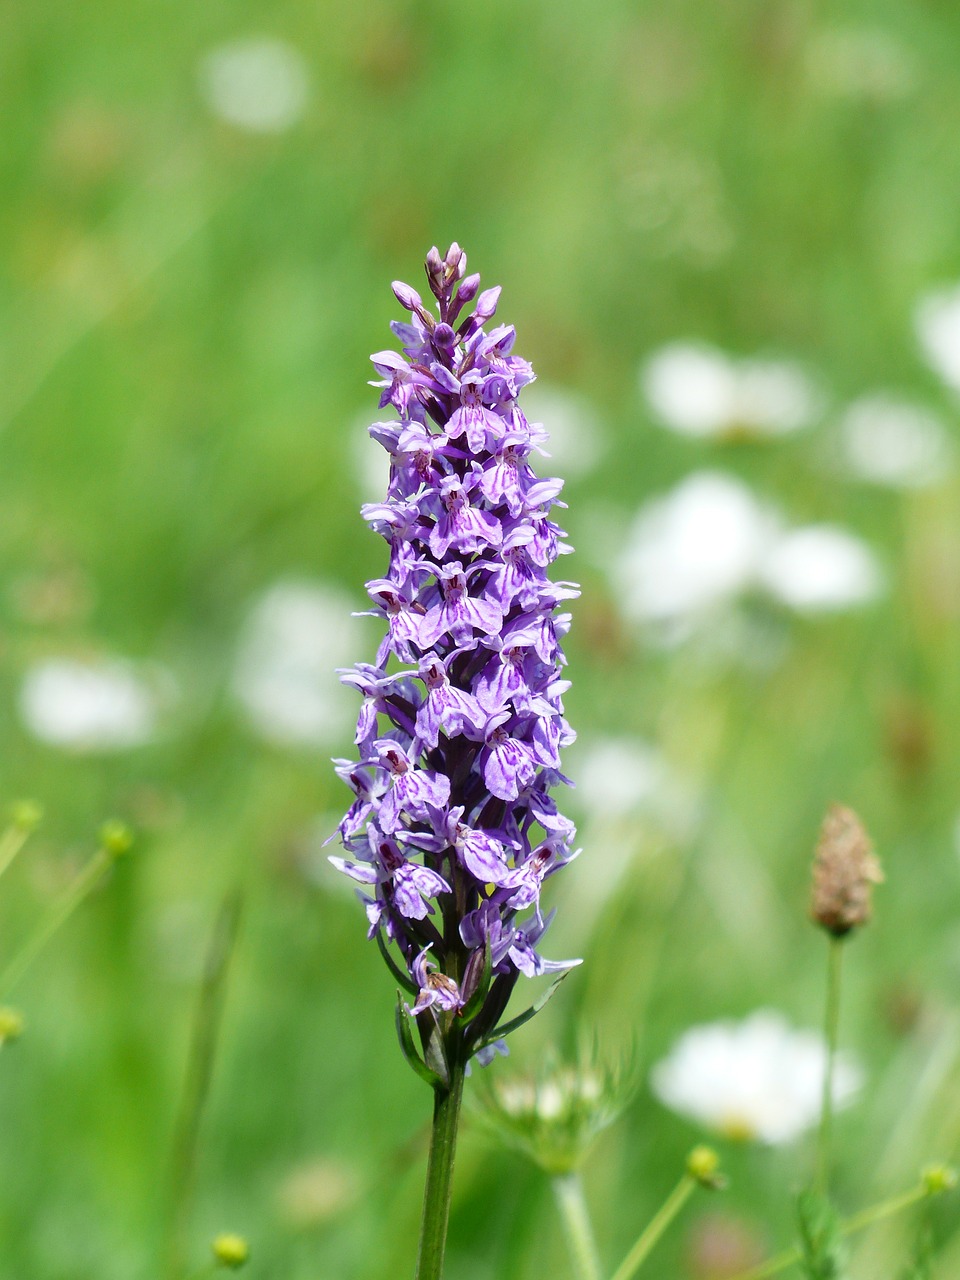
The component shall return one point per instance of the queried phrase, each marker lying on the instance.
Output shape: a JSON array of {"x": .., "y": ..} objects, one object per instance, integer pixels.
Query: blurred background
[{"x": 729, "y": 239}]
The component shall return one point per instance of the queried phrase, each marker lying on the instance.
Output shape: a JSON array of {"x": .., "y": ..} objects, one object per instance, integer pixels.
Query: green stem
[
  {"x": 859, "y": 1222},
  {"x": 61, "y": 912},
  {"x": 201, "y": 1055},
  {"x": 831, "y": 1033},
  {"x": 11, "y": 842},
  {"x": 436, "y": 1195},
  {"x": 568, "y": 1189},
  {"x": 657, "y": 1225}
]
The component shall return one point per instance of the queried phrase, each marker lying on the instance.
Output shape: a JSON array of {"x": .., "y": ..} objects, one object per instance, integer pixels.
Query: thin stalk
[
  {"x": 101, "y": 861},
  {"x": 204, "y": 1040},
  {"x": 439, "y": 1184},
  {"x": 859, "y": 1222},
  {"x": 11, "y": 842},
  {"x": 831, "y": 1034},
  {"x": 655, "y": 1228},
  {"x": 568, "y": 1189}
]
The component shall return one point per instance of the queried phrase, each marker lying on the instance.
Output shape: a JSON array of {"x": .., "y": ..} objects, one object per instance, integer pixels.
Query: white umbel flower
[
  {"x": 91, "y": 705},
  {"x": 575, "y": 438},
  {"x": 937, "y": 323},
  {"x": 258, "y": 84},
  {"x": 297, "y": 633},
  {"x": 892, "y": 442},
  {"x": 820, "y": 568},
  {"x": 759, "y": 1079},
  {"x": 696, "y": 547},
  {"x": 697, "y": 390}
]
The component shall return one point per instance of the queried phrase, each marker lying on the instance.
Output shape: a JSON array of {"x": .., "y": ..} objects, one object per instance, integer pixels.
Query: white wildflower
[
  {"x": 90, "y": 705},
  {"x": 937, "y": 322},
  {"x": 864, "y": 62},
  {"x": 697, "y": 390},
  {"x": 695, "y": 548},
  {"x": 297, "y": 633},
  {"x": 890, "y": 441},
  {"x": 821, "y": 568},
  {"x": 758, "y": 1079},
  {"x": 575, "y": 440},
  {"x": 259, "y": 84}
]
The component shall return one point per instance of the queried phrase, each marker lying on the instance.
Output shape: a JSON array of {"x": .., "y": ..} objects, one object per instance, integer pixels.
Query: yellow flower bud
[
  {"x": 26, "y": 814},
  {"x": 116, "y": 838},
  {"x": 11, "y": 1025},
  {"x": 231, "y": 1250},
  {"x": 938, "y": 1178},
  {"x": 702, "y": 1165}
]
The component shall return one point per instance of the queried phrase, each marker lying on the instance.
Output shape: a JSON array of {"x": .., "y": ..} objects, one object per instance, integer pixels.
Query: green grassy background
[{"x": 187, "y": 311}]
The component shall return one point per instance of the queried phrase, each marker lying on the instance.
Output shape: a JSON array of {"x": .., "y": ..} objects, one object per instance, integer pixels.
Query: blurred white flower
[
  {"x": 371, "y": 462},
  {"x": 622, "y": 777},
  {"x": 697, "y": 547},
  {"x": 297, "y": 633},
  {"x": 258, "y": 83},
  {"x": 576, "y": 440},
  {"x": 937, "y": 323},
  {"x": 317, "y": 1190},
  {"x": 861, "y": 62},
  {"x": 698, "y": 390},
  {"x": 758, "y": 1079},
  {"x": 695, "y": 550},
  {"x": 820, "y": 568},
  {"x": 99, "y": 704},
  {"x": 889, "y": 441}
]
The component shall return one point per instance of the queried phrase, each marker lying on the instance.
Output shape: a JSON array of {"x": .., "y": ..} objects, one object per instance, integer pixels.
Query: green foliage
[
  {"x": 824, "y": 1254},
  {"x": 920, "y": 1266}
]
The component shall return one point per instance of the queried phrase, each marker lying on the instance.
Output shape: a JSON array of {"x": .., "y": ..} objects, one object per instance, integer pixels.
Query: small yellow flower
[
  {"x": 938, "y": 1178},
  {"x": 11, "y": 1025},
  {"x": 116, "y": 838},
  {"x": 231, "y": 1250}
]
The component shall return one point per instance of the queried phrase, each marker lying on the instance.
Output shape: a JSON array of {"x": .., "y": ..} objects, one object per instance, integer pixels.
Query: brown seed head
[{"x": 845, "y": 870}]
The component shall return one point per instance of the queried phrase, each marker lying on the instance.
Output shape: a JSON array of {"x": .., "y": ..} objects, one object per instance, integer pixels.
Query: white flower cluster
[
  {"x": 759, "y": 1079},
  {"x": 697, "y": 390},
  {"x": 711, "y": 539}
]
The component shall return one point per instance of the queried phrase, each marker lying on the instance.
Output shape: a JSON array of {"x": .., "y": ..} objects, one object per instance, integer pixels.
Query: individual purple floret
[{"x": 453, "y": 831}]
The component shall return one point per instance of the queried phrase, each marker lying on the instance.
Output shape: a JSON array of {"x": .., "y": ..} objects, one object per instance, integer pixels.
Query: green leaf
[
  {"x": 824, "y": 1257},
  {"x": 403, "y": 978},
  {"x": 506, "y": 1028},
  {"x": 921, "y": 1265},
  {"x": 409, "y": 1048}
]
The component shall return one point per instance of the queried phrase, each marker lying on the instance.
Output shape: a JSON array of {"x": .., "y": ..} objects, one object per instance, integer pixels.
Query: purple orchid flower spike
[{"x": 452, "y": 831}]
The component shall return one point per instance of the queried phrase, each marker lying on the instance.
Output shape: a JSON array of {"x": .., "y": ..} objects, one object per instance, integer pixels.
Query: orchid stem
[
  {"x": 439, "y": 1184},
  {"x": 831, "y": 1032},
  {"x": 568, "y": 1189},
  {"x": 859, "y": 1222},
  {"x": 655, "y": 1228}
]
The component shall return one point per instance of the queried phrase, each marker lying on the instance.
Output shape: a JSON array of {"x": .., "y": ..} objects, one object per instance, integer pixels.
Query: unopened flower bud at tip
[
  {"x": 231, "y": 1250},
  {"x": 116, "y": 838},
  {"x": 434, "y": 264},
  {"x": 26, "y": 814},
  {"x": 407, "y": 297},
  {"x": 455, "y": 262},
  {"x": 938, "y": 1178},
  {"x": 703, "y": 1164},
  {"x": 845, "y": 870},
  {"x": 11, "y": 1025}
]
